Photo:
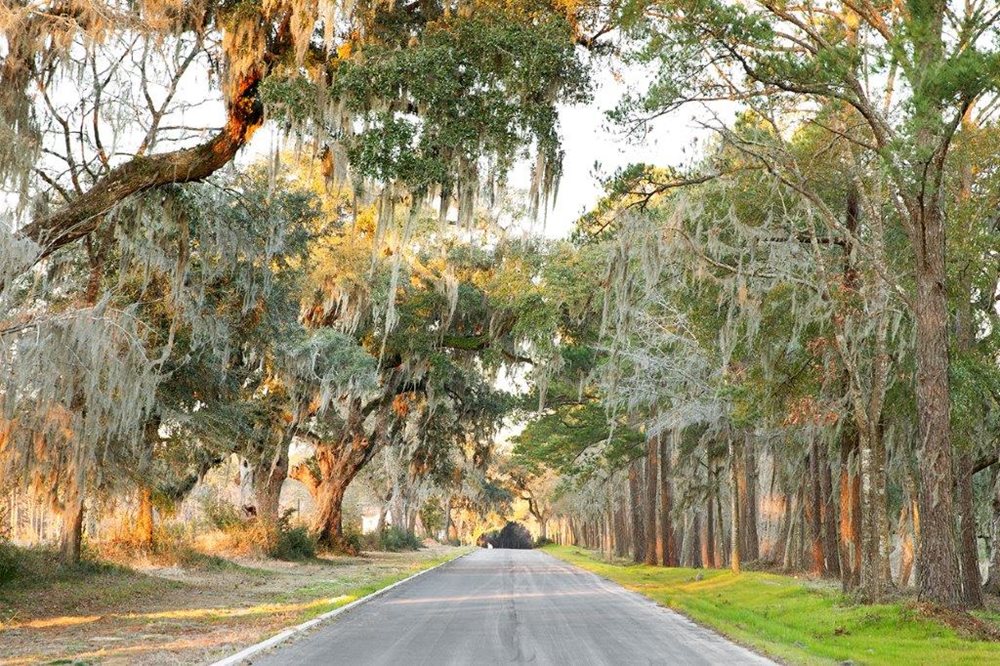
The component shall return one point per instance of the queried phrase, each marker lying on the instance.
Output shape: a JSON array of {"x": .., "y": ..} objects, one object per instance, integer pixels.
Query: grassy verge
[
  {"x": 801, "y": 621},
  {"x": 180, "y": 614}
]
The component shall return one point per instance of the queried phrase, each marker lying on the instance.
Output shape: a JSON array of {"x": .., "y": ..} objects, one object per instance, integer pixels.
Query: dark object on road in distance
[{"x": 513, "y": 535}]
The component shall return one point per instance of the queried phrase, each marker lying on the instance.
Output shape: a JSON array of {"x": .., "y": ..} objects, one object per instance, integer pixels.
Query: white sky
[{"x": 595, "y": 149}]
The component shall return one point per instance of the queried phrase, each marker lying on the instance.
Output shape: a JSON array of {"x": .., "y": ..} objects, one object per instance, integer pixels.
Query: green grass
[
  {"x": 42, "y": 583},
  {"x": 797, "y": 621}
]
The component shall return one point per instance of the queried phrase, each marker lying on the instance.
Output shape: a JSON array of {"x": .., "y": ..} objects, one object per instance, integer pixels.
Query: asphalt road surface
[{"x": 509, "y": 606}]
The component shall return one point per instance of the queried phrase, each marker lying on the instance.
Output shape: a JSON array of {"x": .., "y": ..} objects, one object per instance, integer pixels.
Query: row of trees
[{"x": 812, "y": 368}]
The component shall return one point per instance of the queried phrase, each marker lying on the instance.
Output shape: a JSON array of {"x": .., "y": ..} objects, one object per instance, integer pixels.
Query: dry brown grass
[{"x": 173, "y": 614}]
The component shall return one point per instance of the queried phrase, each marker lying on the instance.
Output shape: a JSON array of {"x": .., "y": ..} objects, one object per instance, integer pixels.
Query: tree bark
[
  {"x": 707, "y": 538},
  {"x": 652, "y": 450},
  {"x": 938, "y": 574},
  {"x": 875, "y": 578},
  {"x": 692, "y": 540},
  {"x": 328, "y": 525},
  {"x": 668, "y": 538},
  {"x": 815, "y": 513},
  {"x": 607, "y": 543},
  {"x": 736, "y": 535},
  {"x": 850, "y": 509},
  {"x": 268, "y": 477},
  {"x": 938, "y": 577},
  {"x": 721, "y": 534},
  {"x": 144, "y": 518},
  {"x": 245, "y": 114},
  {"x": 906, "y": 542},
  {"x": 830, "y": 549},
  {"x": 748, "y": 501},
  {"x": 793, "y": 550},
  {"x": 993, "y": 575},
  {"x": 972, "y": 595},
  {"x": 72, "y": 519},
  {"x": 635, "y": 501},
  {"x": 338, "y": 464}
]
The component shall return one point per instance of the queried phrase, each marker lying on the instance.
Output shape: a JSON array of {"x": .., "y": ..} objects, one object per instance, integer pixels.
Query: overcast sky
[{"x": 595, "y": 148}]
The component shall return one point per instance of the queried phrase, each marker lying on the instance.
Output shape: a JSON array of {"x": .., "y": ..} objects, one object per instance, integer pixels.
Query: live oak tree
[{"x": 97, "y": 98}]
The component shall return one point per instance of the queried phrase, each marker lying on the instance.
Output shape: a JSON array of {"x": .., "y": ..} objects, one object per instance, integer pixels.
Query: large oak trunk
[
  {"x": 72, "y": 520},
  {"x": 328, "y": 523},
  {"x": 336, "y": 465},
  {"x": 143, "y": 531},
  {"x": 268, "y": 477}
]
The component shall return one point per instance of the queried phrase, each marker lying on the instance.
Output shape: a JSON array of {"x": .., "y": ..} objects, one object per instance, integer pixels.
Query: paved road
[{"x": 510, "y": 606}]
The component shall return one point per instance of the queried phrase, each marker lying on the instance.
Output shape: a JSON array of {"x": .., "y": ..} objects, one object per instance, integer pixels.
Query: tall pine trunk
[
  {"x": 828, "y": 514},
  {"x": 938, "y": 577},
  {"x": 814, "y": 514},
  {"x": 667, "y": 535},
  {"x": 750, "y": 546},
  {"x": 972, "y": 595},
  {"x": 652, "y": 451},
  {"x": 993, "y": 574},
  {"x": 736, "y": 535},
  {"x": 850, "y": 509},
  {"x": 906, "y": 542},
  {"x": 635, "y": 502},
  {"x": 938, "y": 574},
  {"x": 875, "y": 578}
]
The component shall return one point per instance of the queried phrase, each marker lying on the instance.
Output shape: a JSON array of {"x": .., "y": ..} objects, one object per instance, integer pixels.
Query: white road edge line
[{"x": 284, "y": 635}]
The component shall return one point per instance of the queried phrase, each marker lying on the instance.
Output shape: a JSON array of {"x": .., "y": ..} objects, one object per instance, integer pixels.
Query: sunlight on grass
[
  {"x": 219, "y": 613},
  {"x": 798, "y": 621},
  {"x": 219, "y": 628}
]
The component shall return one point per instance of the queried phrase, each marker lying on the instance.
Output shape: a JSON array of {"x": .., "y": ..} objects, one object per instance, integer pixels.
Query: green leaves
[
  {"x": 577, "y": 439},
  {"x": 482, "y": 83}
]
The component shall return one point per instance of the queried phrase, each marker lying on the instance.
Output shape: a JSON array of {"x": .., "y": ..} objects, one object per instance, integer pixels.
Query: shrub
[
  {"x": 221, "y": 514},
  {"x": 8, "y": 562},
  {"x": 541, "y": 542},
  {"x": 395, "y": 539},
  {"x": 392, "y": 539},
  {"x": 293, "y": 543}
]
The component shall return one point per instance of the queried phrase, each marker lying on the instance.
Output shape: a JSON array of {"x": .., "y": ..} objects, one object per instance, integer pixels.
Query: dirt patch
[
  {"x": 159, "y": 615},
  {"x": 966, "y": 624}
]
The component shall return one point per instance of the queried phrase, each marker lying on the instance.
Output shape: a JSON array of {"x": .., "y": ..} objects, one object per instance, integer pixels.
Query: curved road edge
[
  {"x": 755, "y": 649},
  {"x": 285, "y": 634}
]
